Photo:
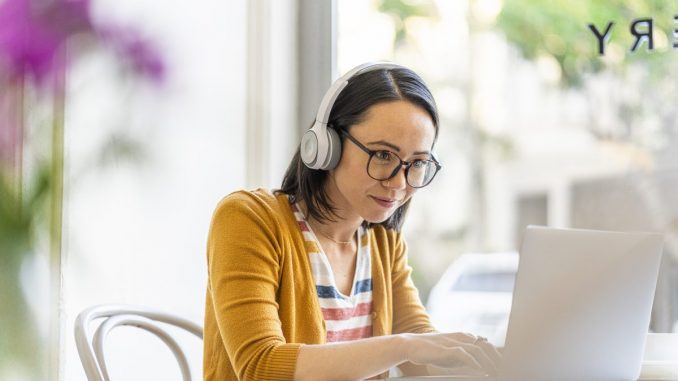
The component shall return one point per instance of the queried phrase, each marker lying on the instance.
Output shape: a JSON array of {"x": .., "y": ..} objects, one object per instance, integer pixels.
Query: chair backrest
[{"x": 90, "y": 347}]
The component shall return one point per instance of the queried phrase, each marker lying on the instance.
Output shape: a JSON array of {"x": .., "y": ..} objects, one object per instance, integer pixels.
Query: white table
[{"x": 660, "y": 361}]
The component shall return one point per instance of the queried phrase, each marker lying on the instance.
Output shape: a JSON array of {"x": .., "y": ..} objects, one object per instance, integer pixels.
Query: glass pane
[{"x": 537, "y": 126}]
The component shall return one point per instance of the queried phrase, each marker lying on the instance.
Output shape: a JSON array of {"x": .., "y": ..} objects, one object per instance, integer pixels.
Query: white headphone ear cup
[
  {"x": 315, "y": 146},
  {"x": 334, "y": 149},
  {"x": 309, "y": 148}
]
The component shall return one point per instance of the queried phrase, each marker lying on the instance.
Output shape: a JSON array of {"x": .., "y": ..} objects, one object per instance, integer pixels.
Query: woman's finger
[
  {"x": 460, "y": 354},
  {"x": 452, "y": 336},
  {"x": 481, "y": 357},
  {"x": 464, "y": 337},
  {"x": 491, "y": 351},
  {"x": 470, "y": 343}
]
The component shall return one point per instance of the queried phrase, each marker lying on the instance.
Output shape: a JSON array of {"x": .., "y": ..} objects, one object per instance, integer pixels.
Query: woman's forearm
[
  {"x": 360, "y": 359},
  {"x": 352, "y": 360}
]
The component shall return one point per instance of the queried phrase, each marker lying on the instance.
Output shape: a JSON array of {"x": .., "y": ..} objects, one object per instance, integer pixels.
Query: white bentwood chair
[{"x": 91, "y": 347}]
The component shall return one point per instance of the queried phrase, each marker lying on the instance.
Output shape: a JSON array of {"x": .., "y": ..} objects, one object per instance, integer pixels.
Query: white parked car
[{"x": 474, "y": 295}]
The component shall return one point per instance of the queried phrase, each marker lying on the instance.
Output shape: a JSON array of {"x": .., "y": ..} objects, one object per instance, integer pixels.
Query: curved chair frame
[{"x": 91, "y": 347}]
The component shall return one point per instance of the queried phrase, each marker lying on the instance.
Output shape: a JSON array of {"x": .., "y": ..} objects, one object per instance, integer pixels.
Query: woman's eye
[
  {"x": 419, "y": 164},
  {"x": 383, "y": 155}
]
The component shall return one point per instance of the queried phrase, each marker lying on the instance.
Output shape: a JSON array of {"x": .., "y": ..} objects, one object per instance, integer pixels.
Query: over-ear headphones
[{"x": 320, "y": 145}]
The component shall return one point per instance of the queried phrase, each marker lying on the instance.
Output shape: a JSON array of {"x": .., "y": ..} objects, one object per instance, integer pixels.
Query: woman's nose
[{"x": 398, "y": 181}]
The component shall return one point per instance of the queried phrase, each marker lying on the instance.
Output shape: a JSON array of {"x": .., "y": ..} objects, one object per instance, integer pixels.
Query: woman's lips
[{"x": 385, "y": 202}]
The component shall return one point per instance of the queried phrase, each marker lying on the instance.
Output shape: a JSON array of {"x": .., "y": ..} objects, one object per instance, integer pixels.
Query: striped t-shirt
[{"x": 347, "y": 317}]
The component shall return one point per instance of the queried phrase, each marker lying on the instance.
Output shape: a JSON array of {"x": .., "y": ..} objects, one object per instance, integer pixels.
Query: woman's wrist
[{"x": 403, "y": 343}]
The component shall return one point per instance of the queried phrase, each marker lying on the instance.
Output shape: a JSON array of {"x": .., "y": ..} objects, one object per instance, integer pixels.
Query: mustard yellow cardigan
[{"x": 261, "y": 302}]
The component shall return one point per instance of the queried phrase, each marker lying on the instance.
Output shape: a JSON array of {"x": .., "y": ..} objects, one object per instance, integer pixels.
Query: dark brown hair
[{"x": 362, "y": 92}]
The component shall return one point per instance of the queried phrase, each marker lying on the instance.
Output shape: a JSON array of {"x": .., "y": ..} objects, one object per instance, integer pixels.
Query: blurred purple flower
[
  {"x": 143, "y": 57},
  {"x": 32, "y": 31}
]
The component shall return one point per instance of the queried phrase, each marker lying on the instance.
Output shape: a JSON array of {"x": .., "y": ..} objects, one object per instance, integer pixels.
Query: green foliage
[
  {"x": 401, "y": 10},
  {"x": 560, "y": 28},
  {"x": 21, "y": 211}
]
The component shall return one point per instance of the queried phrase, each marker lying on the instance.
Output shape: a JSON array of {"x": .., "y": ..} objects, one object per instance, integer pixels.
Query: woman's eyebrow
[{"x": 396, "y": 148}]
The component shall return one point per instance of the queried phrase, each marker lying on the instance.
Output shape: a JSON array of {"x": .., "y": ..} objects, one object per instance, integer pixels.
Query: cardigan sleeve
[
  {"x": 243, "y": 275},
  {"x": 409, "y": 315}
]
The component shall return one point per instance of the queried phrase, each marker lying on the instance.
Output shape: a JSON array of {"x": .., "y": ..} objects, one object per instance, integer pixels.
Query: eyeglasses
[{"x": 384, "y": 165}]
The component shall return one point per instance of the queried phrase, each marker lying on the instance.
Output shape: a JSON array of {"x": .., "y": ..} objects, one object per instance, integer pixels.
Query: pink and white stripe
[{"x": 347, "y": 317}]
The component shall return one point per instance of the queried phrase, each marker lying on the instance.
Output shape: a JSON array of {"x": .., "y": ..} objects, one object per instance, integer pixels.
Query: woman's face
[{"x": 397, "y": 126}]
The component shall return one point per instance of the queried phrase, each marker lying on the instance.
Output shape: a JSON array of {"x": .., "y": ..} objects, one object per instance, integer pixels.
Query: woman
[{"x": 311, "y": 281}]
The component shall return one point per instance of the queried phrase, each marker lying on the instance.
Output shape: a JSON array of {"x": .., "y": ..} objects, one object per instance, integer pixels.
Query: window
[{"x": 536, "y": 126}]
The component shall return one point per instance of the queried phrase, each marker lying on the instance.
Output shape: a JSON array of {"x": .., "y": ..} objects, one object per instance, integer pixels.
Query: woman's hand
[{"x": 453, "y": 350}]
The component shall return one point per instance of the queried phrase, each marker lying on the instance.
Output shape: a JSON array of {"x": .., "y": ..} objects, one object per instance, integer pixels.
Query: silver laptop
[{"x": 581, "y": 306}]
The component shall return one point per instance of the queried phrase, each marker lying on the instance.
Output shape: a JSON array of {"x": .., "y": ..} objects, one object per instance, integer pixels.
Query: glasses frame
[{"x": 406, "y": 164}]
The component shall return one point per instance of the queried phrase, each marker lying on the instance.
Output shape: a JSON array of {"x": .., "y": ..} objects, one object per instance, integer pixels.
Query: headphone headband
[{"x": 333, "y": 92}]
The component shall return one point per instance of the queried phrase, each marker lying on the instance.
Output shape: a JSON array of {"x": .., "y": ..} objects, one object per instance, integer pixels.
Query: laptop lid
[{"x": 581, "y": 305}]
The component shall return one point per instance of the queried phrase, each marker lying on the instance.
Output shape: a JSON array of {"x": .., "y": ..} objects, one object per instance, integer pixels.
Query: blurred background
[{"x": 123, "y": 123}]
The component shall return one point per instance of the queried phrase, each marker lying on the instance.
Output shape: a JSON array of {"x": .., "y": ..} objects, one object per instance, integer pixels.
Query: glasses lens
[
  {"x": 421, "y": 173},
  {"x": 382, "y": 165}
]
